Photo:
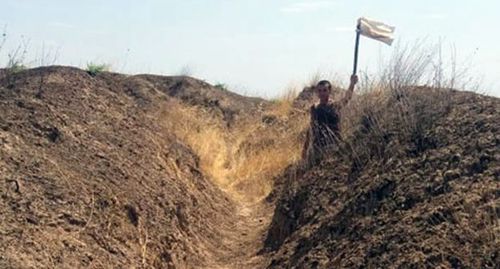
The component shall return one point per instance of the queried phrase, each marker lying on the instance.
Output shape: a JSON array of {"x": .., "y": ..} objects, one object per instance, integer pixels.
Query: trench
[{"x": 242, "y": 161}]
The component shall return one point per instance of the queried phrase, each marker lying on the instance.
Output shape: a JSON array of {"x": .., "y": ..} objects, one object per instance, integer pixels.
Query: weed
[
  {"x": 16, "y": 67},
  {"x": 221, "y": 86},
  {"x": 94, "y": 69}
]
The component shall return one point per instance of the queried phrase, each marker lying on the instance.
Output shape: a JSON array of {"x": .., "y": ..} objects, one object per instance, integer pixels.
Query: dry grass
[
  {"x": 392, "y": 103},
  {"x": 283, "y": 104},
  {"x": 242, "y": 159},
  {"x": 399, "y": 115},
  {"x": 392, "y": 111}
]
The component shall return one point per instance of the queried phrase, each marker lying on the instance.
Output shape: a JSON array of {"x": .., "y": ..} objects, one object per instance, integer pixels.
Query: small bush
[
  {"x": 16, "y": 67},
  {"x": 93, "y": 69},
  {"x": 16, "y": 57},
  {"x": 221, "y": 86}
]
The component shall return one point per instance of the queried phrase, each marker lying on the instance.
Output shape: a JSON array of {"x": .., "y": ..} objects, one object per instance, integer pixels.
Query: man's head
[{"x": 323, "y": 90}]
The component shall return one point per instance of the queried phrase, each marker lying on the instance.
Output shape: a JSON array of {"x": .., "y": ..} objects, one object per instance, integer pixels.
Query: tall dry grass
[
  {"x": 405, "y": 98},
  {"x": 394, "y": 114},
  {"x": 283, "y": 103},
  {"x": 244, "y": 158}
]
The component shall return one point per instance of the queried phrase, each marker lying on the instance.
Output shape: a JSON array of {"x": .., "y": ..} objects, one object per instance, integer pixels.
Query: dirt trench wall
[
  {"x": 432, "y": 202},
  {"x": 90, "y": 178}
]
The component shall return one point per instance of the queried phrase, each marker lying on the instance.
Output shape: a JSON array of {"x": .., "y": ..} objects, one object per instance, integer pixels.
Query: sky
[{"x": 255, "y": 47}]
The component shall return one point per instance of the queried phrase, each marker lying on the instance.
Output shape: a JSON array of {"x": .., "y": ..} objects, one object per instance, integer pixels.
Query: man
[{"x": 324, "y": 132}]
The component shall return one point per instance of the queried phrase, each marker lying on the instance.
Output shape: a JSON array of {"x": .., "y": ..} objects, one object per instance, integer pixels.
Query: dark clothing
[
  {"x": 324, "y": 134},
  {"x": 325, "y": 124}
]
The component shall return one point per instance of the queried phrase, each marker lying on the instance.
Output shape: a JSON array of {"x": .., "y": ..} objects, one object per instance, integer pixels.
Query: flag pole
[{"x": 356, "y": 48}]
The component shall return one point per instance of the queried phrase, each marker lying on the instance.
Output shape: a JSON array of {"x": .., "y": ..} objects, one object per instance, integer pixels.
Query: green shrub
[
  {"x": 221, "y": 86},
  {"x": 16, "y": 67},
  {"x": 94, "y": 69}
]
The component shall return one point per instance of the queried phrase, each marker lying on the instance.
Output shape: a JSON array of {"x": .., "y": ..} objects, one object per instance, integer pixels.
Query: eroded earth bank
[{"x": 143, "y": 171}]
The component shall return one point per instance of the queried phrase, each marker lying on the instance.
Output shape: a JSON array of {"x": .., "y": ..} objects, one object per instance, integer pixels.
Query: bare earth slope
[
  {"x": 392, "y": 199},
  {"x": 91, "y": 178},
  {"x": 144, "y": 171}
]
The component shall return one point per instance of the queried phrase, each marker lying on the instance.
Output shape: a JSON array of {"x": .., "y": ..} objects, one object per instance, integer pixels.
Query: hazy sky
[{"x": 257, "y": 47}]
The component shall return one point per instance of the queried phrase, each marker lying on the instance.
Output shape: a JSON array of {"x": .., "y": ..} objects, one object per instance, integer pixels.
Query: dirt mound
[
  {"x": 92, "y": 178},
  {"x": 170, "y": 172},
  {"x": 397, "y": 197},
  {"x": 195, "y": 92}
]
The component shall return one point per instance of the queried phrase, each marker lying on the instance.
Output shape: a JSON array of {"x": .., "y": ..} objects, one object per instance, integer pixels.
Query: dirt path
[{"x": 244, "y": 237}]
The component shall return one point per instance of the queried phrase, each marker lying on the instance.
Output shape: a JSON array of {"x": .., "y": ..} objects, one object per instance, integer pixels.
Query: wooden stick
[{"x": 356, "y": 48}]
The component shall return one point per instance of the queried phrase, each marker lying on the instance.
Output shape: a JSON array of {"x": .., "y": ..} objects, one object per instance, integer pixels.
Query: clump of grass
[
  {"x": 242, "y": 159},
  {"x": 202, "y": 133},
  {"x": 16, "y": 57},
  {"x": 221, "y": 86},
  {"x": 394, "y": 109},
  {"x": 94, "y": 69},
  {"x": 283, "y": 104},
  {"x": 16, "y": 67}
]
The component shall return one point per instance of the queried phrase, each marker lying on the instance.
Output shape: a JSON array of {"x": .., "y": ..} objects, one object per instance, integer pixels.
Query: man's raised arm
[{"x": 348, "y": 95}]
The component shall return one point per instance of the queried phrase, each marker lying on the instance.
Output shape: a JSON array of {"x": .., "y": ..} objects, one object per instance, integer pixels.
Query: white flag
[{"x": 376, "y": 30}]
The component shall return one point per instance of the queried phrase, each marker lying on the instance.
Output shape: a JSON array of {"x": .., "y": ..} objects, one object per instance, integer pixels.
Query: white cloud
[{"x": 307, "y": 6}]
